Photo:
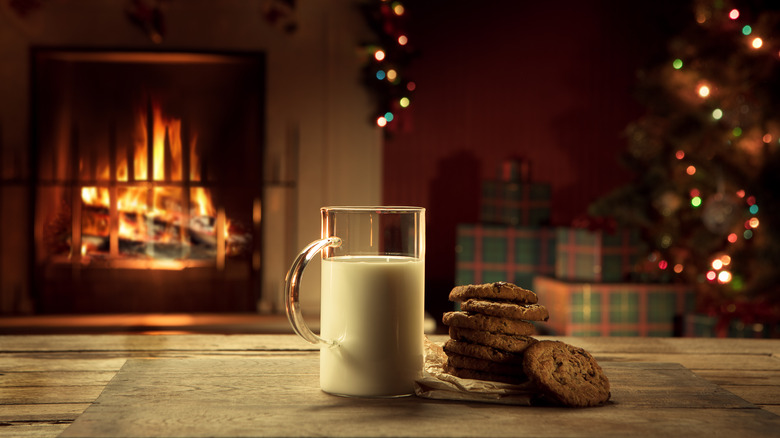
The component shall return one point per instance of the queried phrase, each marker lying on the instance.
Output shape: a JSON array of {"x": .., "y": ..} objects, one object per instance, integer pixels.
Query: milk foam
[{"x": 374, "y": 306}]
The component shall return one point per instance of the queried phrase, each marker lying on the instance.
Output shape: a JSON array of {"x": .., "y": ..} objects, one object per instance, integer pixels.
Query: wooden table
[{"x": 267, "y": 385}]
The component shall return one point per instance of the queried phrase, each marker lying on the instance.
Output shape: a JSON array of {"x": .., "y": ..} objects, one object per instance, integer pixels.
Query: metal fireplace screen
[{"x": 149, "y": 183}]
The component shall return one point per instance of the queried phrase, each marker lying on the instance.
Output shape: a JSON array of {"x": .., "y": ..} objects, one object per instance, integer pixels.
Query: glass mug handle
[{"x": 292, "y": 285}]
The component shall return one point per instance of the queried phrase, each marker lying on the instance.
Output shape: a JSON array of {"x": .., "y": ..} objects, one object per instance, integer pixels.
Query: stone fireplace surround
[{"x": 320, "y": 148}]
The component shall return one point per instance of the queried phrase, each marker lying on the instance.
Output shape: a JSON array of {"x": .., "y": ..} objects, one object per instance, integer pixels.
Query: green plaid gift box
[
  {"x": 613, "y": 309},
  {"x": 489, "y": 253},
  {"x": 599, "y": 256},
  {"x": 515, "y": 203}
]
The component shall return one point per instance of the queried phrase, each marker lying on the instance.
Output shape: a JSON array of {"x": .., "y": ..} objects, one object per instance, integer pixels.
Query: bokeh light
[
  {"x": 757, "y": 43},
  {"x": 690, "y": 170},
  {"x": 677, "y": 64},
  {"x": 717, "y": 113},
  {"x": 703, "y": 90},
  {"x": 381, "y": 122},
  {"x": 734, "y": 14},
  {"x": 379, "y": 55}
]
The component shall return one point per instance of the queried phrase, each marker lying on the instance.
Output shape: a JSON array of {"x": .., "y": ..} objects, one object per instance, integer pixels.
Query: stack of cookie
[
  {"x": 491, "y": 331},
  {"x": 490, "y": 339}
]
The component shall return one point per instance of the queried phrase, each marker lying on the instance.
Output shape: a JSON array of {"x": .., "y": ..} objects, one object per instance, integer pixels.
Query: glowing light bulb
[
  {"x": 746, "y": 30},
  {"x": 736, "y": 131},
  {"x": 695, "y": 192},
  {"x": 663, "y": 264},
  {"x": 711, "y": 275},
  {"x": 725, "y": 259},
  {"x": 732, "y": 237},
  {"x": 678, "y": 268},
  {"x": 404, "y": 102},
  {"x": 380, "y": 74},
  {"x": 724, "y": 276},
  {"x": 717, "y": 264},
  {"x": 677, "y": 64},
  {"x": 411, "y": 86},
  {"x": 679, "y": 154},
  {"x": 381, "y": 122},
  {"x": 690, "y": 170},
  {"x": 767, "y": 138},
  {"x": 753, "y": 222},
  {"x": 717, "y": 113},
  {"x": 734, "y": 14},
  {"x": 753, "y": 209},
  {"x": 402, "y": 40},
  {"x": 392, "y": 75},
  {"x": 741, "y": 193},
  {"x": 379, "y": 55},
  {"x": 696, "y": 201},
  {"x": 757, "y": 43},
  {"x": 389, "y": 116},
  {"x": 704, "y": 91},
  {"x": 398, "y": 8}
]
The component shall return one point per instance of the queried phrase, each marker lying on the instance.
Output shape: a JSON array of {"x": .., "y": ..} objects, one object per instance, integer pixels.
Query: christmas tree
[{"x": 706, "y": 157}]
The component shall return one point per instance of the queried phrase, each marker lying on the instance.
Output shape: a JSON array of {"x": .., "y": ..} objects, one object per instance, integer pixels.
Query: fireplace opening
[{"x": 149, "y": 181}]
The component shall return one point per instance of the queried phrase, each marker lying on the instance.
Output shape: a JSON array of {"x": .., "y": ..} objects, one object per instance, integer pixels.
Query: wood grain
[
  {"x": 48, "y": 381},
  {"x": 281, "y": 397}
]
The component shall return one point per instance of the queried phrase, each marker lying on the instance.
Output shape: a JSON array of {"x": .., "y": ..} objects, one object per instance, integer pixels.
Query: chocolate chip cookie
[
  {"x": 566, "y": 374},
  {"x": 477, "y": 321},
  {"x": 529, "y": 312},
  {"x": 500, "y": 290},
  {"x": 499, "y": 341},
  {"x": 483, "y": 352}
]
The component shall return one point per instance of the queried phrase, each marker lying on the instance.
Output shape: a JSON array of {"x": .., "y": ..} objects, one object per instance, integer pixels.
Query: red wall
[{"x": 550, "y": 82}]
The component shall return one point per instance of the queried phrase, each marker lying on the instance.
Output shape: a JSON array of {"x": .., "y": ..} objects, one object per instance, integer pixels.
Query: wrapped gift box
[
  {"x": 598, "y": 256},
  {"x": 515, "y": 203},
  {"x": 613, "y": 309},
  {"x": 488, "y": 253}
]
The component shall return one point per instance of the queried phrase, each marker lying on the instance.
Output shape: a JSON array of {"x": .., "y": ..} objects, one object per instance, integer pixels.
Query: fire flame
[{"x": 151, "y": 213}]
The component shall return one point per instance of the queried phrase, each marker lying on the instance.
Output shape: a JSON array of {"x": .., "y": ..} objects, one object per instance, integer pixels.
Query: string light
[
  {"x": 379, "y": 55},
  {"x": 402, "y": 40},
  {"x": 381, "y": 122},
  {"x": 696, "y": 201},
  {"x": 717, "y": 113},
  {"x": 757, "y": 43},
  {"x": 404, "y": 102},
  {"x": 732, "y": 238},
  {"x": 678, "y": 268},
  {"x": 677, "y": 64},
  {"x": 690, "y": 170},
  {"x": 680, "y": 154},
  {"x": 398, "y": 8},
  {"x": 746, "y": 30},
  {"x": 724, "y": 276},
  {"x": 704, "y": 91},
  {"x": 734, "y": 14}
]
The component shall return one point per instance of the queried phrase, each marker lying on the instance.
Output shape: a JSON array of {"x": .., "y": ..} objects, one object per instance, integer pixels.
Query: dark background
[{"x": 548, "y": 82}]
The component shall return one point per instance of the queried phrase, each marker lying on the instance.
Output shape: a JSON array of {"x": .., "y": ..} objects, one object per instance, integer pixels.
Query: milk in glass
[{"x": 374, "y": 307}]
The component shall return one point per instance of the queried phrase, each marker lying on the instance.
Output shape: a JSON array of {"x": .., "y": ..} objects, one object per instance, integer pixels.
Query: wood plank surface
[
  {"x": 46, "y": 381},
  {"x": 281, "y": 397}
]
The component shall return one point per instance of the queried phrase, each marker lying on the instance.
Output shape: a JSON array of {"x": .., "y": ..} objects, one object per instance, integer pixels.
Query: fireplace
[{"x": 148, "y": 180}]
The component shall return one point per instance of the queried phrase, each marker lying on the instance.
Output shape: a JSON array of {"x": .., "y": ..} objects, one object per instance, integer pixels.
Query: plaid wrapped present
[
  {"x": 515, "y": 203},
  {"x": 488, "y": 253},
  {"x": 616, "y": 309},
  {"x": 599, "y": 256}
]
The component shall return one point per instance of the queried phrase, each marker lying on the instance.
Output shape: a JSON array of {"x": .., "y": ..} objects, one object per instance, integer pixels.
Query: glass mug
[{"x": 372, "y": 299}]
